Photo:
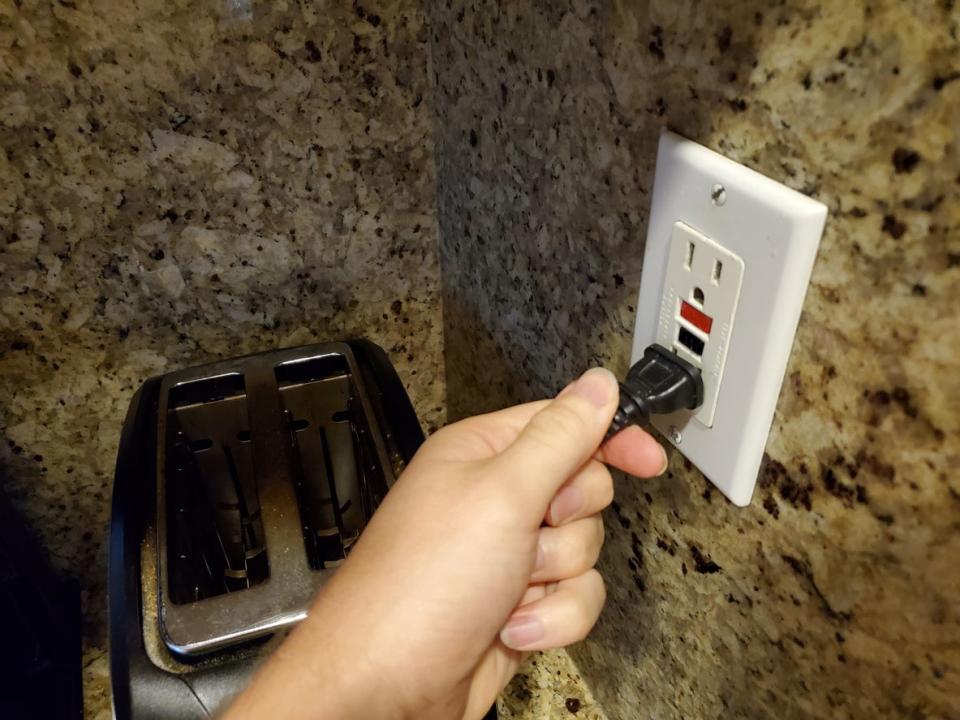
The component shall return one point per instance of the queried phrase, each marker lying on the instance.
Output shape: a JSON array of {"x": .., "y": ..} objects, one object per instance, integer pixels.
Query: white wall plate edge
[{"x": 776, "y": 230}]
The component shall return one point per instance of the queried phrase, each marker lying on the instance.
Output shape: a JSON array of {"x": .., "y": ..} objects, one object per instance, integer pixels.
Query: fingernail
[
  {"x": 522, "y": 631},
  {"x": 566, "y": 504},
  {"x": 541, "y": 558},
  {"x": 596, "y": 385},
  {"x": 666, "y": 461}
]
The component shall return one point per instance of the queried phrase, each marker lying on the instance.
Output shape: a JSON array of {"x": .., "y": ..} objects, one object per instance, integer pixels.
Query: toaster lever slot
[
  {"x": 331, "y": 479},
  {"x": 215, "y": 534}
]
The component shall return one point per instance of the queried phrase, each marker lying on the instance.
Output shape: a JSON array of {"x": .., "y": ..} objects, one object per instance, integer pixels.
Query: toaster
[{"x": 240, "y": 486}]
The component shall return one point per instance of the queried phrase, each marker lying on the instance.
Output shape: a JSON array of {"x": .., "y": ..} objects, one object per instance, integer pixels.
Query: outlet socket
[
  {"x": 700, "y": 294},
  {"x": 765, "y": 236}
]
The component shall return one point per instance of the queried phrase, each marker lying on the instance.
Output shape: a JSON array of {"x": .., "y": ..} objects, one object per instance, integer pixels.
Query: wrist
[{"x": 322, "y": 670}]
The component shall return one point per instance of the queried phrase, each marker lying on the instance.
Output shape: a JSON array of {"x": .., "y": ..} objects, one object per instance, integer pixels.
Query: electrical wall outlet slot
[{"x": 725, "y": 270}]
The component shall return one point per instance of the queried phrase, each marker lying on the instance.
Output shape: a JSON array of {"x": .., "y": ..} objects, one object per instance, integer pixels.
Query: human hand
[{"x": 482, "y": 551}]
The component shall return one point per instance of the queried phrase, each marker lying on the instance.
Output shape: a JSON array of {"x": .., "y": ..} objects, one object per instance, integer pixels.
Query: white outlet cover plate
[{"x": 776, "y": 232}]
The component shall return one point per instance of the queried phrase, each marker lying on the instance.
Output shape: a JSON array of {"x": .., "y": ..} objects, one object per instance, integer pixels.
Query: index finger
[{"x": 632, "y": 450}]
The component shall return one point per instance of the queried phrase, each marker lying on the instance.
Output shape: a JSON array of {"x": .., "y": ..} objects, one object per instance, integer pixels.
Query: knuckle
[
  {"x": 579, "y": 632},
  {"x": 583, "y": 619},
  {"x": 438, "y": 439},
  {"x": 581, "y": 602},
  {"x": 600, "y": 533},
  {"x": 605, "y": 486},
  {"x": 588, "y": 558},
  {"x": 599, "y": 587},
  {"x": 597, "y": 483},
  {"x": 589, "y": 549},
  {"x": 446, "y": 431},
  {"x": 580, "y": 554},
  {"x": 607, "y": 493}
]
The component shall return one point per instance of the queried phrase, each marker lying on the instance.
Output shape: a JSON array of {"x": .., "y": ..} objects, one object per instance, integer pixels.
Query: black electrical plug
[{"x": 660, "y": 383}]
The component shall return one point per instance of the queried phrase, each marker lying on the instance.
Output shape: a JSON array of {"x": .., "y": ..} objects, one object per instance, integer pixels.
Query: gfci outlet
[
  {"x": 726, "y": 267},
  {"x": 701, "y": 291}
]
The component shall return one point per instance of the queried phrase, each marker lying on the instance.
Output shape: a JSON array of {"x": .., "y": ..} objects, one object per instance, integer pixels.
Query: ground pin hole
[
  {"x": 301, "y": 424},
  {"x": 698, "y": 295}
]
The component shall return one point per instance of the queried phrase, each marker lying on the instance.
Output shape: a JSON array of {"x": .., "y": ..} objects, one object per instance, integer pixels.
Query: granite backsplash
[
  {"x": 181, "y": 182},
  {"x": 835, "y": 593}
]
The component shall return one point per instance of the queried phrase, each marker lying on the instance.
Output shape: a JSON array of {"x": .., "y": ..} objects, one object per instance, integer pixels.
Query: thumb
[{"x": 559, "y": 439}]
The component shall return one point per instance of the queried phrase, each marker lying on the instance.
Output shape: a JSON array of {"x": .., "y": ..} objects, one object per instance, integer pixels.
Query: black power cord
[{"x": 661, "y": 382}]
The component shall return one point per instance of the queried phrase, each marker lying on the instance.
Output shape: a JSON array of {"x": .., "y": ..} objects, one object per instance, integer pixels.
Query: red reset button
[{"x": 696, "y": 318}]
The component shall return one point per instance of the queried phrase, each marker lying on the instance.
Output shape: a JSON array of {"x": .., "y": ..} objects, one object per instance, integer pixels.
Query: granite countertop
[{"x": 548, "y": 687}]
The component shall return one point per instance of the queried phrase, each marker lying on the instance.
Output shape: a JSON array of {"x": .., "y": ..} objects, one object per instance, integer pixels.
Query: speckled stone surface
[
  {"x": 548, "y": 687},
  {"x": 181, "y": 182},
  {"x": 835, "y": 593}
]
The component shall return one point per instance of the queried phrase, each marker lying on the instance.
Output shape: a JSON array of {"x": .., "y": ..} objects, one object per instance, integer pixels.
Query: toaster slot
[
  {"x": 330, "y": 442},
  {"x": 269, "y": 467},
  {"x": 215, "y": 537}
]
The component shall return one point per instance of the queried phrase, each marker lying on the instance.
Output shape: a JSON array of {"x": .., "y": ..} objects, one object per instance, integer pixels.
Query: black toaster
[{"x": 240, "y": 487}]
